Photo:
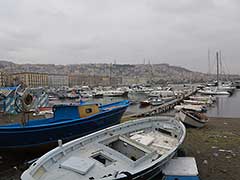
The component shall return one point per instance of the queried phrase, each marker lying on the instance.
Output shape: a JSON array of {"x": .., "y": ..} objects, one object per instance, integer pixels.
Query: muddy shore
[{"x": 216, "y": 148}]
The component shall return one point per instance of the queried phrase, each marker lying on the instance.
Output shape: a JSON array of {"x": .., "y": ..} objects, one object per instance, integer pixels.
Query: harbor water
[{"x": 225, "y": 106}]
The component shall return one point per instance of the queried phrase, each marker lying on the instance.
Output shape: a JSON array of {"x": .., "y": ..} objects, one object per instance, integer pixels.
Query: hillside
[{"x": 156, "y": 72}]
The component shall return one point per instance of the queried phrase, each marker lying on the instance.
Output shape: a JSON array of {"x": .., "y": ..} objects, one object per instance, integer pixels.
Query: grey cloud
[{"x": 178, "y": 32}]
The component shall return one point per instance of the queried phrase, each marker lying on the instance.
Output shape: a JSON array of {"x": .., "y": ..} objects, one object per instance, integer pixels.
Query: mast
[
  {"x": 220, "y": 63},
  {"x": 110, "y": 74},
  {"x": 217, "y": 68},
  {"x": 209, "y": 61}
]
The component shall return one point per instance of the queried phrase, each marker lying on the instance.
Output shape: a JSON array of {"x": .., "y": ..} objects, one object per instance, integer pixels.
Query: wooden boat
[
  {"x": 134, "y": 150},
  {"x": 68, "y": 123},
  {"x": 192, "y": 118}
]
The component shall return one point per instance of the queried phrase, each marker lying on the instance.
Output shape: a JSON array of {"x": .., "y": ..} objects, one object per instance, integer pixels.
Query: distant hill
[
  {"x": 155, "y": 72},
  {"x": 4, "y": 64}
]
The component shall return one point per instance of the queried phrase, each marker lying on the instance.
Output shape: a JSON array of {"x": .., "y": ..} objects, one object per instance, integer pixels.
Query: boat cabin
[{"x": 75, "y": 111}]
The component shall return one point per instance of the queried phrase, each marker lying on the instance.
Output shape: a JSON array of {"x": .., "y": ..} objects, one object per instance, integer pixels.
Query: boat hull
[
  {"x": 226, "y": 93},
  {"x": 144, "y": 103},
  {"x": 23, "y": 139},
  {"x": 186, "y": 119}
]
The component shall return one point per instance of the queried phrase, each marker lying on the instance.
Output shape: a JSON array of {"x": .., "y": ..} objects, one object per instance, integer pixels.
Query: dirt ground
[{"x": 216, "y": 148}]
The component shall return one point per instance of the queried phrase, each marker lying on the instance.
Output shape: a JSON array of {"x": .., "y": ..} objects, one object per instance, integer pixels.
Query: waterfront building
[
  {"x": 134, "y": 80},
  {"x": 3, "y": 79},
  {"x": 30, "y": 79},
  {"x": 78, "y": 80},
  {"x": 93, "y": 80},
  {"x": 58, "y": 80}
]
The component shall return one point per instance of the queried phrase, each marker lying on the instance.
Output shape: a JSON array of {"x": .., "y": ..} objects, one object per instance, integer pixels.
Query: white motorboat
[
  {"x": 213, "y": 91},
  {"x": 115, "y": 93},
  {"x": 192, "y": 118},
  {"x": 195, "y": 102},
  {"x": 227, "y": 86},
  {"x": 162, "y": 93},
  {"x": 134, "y": 150},
  {"x": 169, "y": 98},
  {"x": 86, "y": 94},
  {"x": 156, "y": 101},
  {"x": 197, "y": 108},
  {"x": 203, "y": 98}
]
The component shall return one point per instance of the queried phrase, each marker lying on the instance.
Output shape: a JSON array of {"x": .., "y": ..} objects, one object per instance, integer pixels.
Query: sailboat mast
[
  {"x": 217, "y": 68},
  {"x": 209, "y": 62}
]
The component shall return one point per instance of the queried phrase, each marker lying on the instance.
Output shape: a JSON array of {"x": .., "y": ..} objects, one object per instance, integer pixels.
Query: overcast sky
[{"x": 178, "y": 32}]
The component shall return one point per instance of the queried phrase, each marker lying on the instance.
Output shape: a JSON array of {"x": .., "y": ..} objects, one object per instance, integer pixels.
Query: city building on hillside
[
  {"x": 30, "y": 79},
  {"x": 93, "y": 80},
  {"x": 58, "y": 80},
  {"x": 79, "y": 80}
]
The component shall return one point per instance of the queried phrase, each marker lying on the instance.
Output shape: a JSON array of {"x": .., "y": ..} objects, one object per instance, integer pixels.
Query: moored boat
[
  {"x": 115, "y": 93},
  {"x": 198, "y": 102},
  {"x": 145, "y": 102},
  {"x": 203, "y": 98},
  {"x": 97, "y": 94},
  {"x": 197, "y": 108},
  {"x": 134, "y": 150},
  {"x": 192, "y": 118},
  {"x": 169, "y": 98},
  {"x": 68, "y": 122},
  {"x": 215, "y": 91},
  {"x": 156, "y": 101}
]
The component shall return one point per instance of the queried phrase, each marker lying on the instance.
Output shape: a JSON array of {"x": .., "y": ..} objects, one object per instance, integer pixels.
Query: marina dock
[{"x": 160, "y": 109}]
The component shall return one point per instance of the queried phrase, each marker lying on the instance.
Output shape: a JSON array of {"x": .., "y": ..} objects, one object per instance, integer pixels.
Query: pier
[{"x": 160, "y": 109}]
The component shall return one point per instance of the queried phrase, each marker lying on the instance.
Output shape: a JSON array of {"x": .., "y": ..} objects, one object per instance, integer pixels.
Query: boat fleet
[
  {"x": 89, "y": 142},
  {"x": 79, "y": 92}
]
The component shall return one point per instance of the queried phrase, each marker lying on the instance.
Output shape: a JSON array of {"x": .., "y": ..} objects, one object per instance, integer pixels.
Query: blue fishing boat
[{"x": 68, "y": 122}]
